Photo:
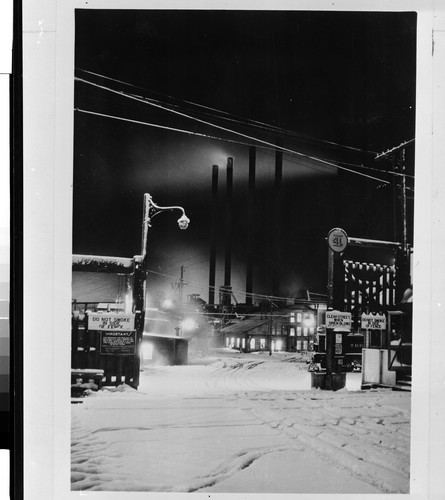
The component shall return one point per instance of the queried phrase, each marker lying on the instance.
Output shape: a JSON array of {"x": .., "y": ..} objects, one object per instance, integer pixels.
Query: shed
[{"x": 164, "y": 350}]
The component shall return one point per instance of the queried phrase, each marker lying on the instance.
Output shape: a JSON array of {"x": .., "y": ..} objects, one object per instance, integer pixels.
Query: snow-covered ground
[{"x": 241, "y": 423}]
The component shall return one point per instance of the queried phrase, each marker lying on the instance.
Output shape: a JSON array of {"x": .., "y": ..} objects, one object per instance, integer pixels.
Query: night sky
[{"x": 322, "y": 80}]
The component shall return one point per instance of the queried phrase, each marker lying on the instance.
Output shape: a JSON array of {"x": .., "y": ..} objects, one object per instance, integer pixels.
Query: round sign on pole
[{"x": 337, "y": 240}]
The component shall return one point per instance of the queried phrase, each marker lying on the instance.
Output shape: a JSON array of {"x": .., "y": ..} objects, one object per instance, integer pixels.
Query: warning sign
[
  {"x": 335, "y": 319},
  {"x": 106, "y": 321},
  {"x": 118, "y": 343},
  {"x": 373, "y": 321}
]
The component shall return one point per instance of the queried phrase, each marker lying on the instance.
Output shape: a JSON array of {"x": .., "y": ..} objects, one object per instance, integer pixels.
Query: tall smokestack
[
  {"x": 213, "y": 233},
  {"x": 228, "y": 254},
  {"x": 277, "y": 221},
  {"x": 250, "y": 225}
]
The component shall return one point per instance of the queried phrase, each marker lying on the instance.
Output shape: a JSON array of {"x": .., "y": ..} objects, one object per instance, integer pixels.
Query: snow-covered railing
[{"x": 98, "y": 263}]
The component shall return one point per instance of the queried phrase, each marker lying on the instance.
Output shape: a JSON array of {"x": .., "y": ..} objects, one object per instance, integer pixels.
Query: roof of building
[
  {"x": 244, "y": 326},
  {"x": 149, "y": 335}
]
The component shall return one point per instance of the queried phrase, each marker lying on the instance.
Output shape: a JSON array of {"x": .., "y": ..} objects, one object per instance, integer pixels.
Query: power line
[
  {"x": 247, "y": 294},
  {"x": 395, "y": 148},
  {"x": 271, "y": 145},
  {"x": 229, "y": 116}
]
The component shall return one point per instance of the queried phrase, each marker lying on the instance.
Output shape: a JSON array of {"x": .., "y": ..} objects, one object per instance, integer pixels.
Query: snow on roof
[
  {"x": 158, "y": 335},
  {"x": 244, "y": 326},
  {"x": 102, "y": 263}
]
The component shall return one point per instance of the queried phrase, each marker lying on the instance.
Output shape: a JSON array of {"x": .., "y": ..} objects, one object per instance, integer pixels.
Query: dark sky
[{"x": 327, "y": 79}]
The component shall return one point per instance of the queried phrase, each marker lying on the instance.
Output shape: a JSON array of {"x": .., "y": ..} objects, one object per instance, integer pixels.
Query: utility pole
[
  {"x": 276, "y": 245},
  {"x": 400, "y": 227},
  {"x": 179, "y": 286}
]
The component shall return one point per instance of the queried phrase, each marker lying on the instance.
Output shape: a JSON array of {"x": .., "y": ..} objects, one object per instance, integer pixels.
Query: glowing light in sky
[{"x": 188, "y": 324}]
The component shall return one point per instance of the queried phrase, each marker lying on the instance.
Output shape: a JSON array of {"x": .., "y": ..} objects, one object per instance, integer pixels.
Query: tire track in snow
[
  {"x": 231, "y": 466},
  {"x": 375, "y": 464}
]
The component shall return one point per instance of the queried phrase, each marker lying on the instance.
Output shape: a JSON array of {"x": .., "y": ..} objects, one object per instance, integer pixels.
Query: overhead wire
[
  {"x": 188, "y": 132},
  {"x": 269, "y": 127},
  {"x": 215, "y": 288},
  {"x": 207, "y": 136},
  {"x": 229, "y": 116},
  {"x": 276, "y": 147}
]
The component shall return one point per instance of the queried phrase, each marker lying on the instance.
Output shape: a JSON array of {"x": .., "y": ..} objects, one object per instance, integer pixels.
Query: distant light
[
  {"x": 167, "y": 304},
  {"x": 147, "y": 350},
  {"x": 188, "y": 325},
  {"x": 309, "y": 322}
]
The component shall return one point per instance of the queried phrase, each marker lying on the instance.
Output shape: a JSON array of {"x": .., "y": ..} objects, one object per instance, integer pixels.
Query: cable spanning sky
[{"x": 161, "y": 96}]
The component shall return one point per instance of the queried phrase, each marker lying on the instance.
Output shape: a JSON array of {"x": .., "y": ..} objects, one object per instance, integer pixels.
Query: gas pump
[{"x": 340, "y": 346}]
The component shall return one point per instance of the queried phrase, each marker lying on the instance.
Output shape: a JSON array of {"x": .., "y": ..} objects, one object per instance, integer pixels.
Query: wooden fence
[{"x": 85, "y": 354}]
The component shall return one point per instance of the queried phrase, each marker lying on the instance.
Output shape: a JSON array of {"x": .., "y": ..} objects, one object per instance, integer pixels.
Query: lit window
[
  {"x": 237, "y": 342},
  {"x": 298, "y": 330},
  {"x": 299, "y": 317},
  {"x": 147, "y": 350},
  {"x": 304, "y": 345},
  {"x": 292, "y": 317},
  {"x": 292, "y": 332},
  {"x": 262, "y": 343},
  {"x": 298, "y": 345},
  {"x": 305, "y": 331},
  {"x": 311, "y": 330}
]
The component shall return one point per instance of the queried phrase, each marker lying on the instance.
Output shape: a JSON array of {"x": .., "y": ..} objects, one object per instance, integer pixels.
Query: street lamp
[{"x": 151, "y": 209}]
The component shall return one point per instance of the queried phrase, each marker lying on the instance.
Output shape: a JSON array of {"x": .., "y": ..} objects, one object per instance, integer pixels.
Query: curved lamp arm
[{"x": 151, "y": 209}]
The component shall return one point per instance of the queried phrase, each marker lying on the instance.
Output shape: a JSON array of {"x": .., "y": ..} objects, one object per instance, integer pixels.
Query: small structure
[
  {"x": 248, "y": 335},
  {"x": 164, "y": 350}
]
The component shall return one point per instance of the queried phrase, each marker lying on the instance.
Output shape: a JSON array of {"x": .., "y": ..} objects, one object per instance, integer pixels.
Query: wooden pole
[{"x": 276, "y": 259}]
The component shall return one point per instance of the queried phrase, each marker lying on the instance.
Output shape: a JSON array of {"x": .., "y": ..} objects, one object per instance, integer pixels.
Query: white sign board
[
  {"x": 111, "y": 322},
  {"x": 337, "y": 240},
  {"x": 373, "y": 321},
  {"x": 335, "y": 319}
]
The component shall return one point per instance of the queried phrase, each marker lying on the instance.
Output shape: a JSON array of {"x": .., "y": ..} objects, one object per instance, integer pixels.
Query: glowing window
[
  {"x": 304, "y": 345},
  {"x": 147, "y": 350},
  {"x": 298, "y": 330},
  {"x": 299, "y": 317},
  {"x": 292, "y": 317},
  {"x": 305, "y": 330},
  {"x": 292, "y": 332}
]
